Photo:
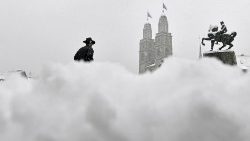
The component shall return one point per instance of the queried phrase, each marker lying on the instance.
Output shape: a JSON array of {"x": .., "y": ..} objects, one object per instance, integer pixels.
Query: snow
[
  {"x": 152, "y": 65},
  {"x": 184, "y": 100}
]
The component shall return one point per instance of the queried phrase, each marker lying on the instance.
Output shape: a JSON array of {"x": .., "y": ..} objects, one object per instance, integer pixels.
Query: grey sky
[{"x": 38, "y": 32}]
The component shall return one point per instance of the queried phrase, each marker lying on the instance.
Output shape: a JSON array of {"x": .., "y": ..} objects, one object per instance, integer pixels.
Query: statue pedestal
[{"x": 226, "y": 56}]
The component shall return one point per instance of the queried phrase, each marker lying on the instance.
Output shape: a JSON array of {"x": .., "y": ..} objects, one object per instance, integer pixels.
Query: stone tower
[
  {"x": 163, "y": 41},
  {"x": 152, "y": 53},
  {"x": 147, "y": 53}
]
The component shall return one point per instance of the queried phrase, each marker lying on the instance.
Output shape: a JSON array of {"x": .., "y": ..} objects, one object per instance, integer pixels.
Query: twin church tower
[{"x": 154, "y": 51}]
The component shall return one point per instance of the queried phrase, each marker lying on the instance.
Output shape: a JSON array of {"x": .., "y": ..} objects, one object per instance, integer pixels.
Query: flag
[
  {"x": 164, "y": 6},
  {"x": 148, "y": 15}
]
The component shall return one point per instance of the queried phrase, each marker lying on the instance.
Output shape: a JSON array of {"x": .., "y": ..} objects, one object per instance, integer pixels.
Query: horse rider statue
[{"x": 216, "y": 36}]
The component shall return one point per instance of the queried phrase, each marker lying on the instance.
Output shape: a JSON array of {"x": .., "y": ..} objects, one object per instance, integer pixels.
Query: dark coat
[
  {"x": 223, "y": 29},
  {"x": 84, "y": 54}
]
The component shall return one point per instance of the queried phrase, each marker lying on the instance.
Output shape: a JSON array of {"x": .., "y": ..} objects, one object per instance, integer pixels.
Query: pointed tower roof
[
  {"x": 163, "y": 24},
  {"x": 147, "y": 31}
]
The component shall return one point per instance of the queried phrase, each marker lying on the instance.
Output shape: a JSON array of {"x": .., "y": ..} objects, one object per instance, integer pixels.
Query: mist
[{"x": 187, "y": 100}]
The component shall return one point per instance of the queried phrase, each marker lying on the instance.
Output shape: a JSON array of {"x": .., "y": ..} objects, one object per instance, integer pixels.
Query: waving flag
[
  {"x": 164, "y": 6},
  {"x": 148, "y": 15}
]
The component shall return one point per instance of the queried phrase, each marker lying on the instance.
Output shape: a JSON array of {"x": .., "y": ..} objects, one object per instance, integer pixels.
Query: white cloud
[{"x": 183, "y": 100}]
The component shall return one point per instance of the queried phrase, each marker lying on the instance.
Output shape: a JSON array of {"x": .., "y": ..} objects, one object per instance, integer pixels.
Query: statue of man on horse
[{"x": 216, "y": 36}]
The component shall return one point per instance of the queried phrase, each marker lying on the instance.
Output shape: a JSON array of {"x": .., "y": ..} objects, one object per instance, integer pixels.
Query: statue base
[{"x": 226, "y": 56}]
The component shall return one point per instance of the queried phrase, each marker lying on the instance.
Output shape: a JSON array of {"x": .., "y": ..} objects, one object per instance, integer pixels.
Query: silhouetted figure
[
  {"x": 220, "y": 36},
  {"x": 223, "y": 28},
  {"x": 85, "y": 53}
]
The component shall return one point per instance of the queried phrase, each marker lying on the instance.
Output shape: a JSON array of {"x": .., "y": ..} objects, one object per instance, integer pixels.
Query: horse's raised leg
[
  {"x": 202, "y": 42},
  {"x": 230, "y": 46},
  {"x": 212, "y": 45},
  {"x": 222, "y": 46}
]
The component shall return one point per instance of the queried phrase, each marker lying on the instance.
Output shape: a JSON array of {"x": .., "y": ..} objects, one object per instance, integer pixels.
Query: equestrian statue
[{"x": 216, "y": 36}]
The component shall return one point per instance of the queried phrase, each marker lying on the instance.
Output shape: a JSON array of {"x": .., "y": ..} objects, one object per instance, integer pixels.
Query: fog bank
[{"x": 184, "y": 100}]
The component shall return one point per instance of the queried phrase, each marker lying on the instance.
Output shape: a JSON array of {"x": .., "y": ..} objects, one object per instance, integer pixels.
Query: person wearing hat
[
  {"x": 223, "y": 28},
  {"x": 85, "y": 53}
]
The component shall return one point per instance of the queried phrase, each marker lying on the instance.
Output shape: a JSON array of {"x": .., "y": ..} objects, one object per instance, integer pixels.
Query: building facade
[{"x": 153, "y": 51}]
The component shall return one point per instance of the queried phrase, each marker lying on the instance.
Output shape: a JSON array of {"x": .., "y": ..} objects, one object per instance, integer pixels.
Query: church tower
[
  {"x": 153, "y": 52},
  {"x": 163, "y": 41},
  {"x": 147, "y": 52}
]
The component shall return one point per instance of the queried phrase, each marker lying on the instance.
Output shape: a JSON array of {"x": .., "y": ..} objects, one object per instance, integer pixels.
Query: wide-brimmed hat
[{"x": 89, "y": 40}]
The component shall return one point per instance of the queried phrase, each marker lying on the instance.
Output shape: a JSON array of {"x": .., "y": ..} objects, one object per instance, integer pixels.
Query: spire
[
  {"x": 147, "y": 31},
  {"x": 163, "y": 21},
  {"x": 200, "y": 52},
  {"x": 163, "y": 24}
]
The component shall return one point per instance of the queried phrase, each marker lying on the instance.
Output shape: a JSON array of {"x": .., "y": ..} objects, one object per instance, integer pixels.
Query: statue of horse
[{"x": 226, "y": 39}]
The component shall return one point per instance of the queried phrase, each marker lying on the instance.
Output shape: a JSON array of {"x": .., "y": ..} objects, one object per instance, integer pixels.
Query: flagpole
[{"x": 147, "y": 16}]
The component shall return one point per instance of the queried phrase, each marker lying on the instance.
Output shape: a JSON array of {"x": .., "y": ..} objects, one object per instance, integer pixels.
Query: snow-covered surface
[
  {"x": 184, "y": 100},
  {"x": 152, "y": 65}
]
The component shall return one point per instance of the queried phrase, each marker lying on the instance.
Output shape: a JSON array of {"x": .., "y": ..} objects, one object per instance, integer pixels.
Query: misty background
[{"x": 38, "y": 32}]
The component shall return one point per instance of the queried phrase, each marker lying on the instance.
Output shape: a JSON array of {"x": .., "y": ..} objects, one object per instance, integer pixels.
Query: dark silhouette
[
  {"x": 85, "y": 53},
  {"x": 223, "y": 29},
  {"x": 216, "y": 36}
]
